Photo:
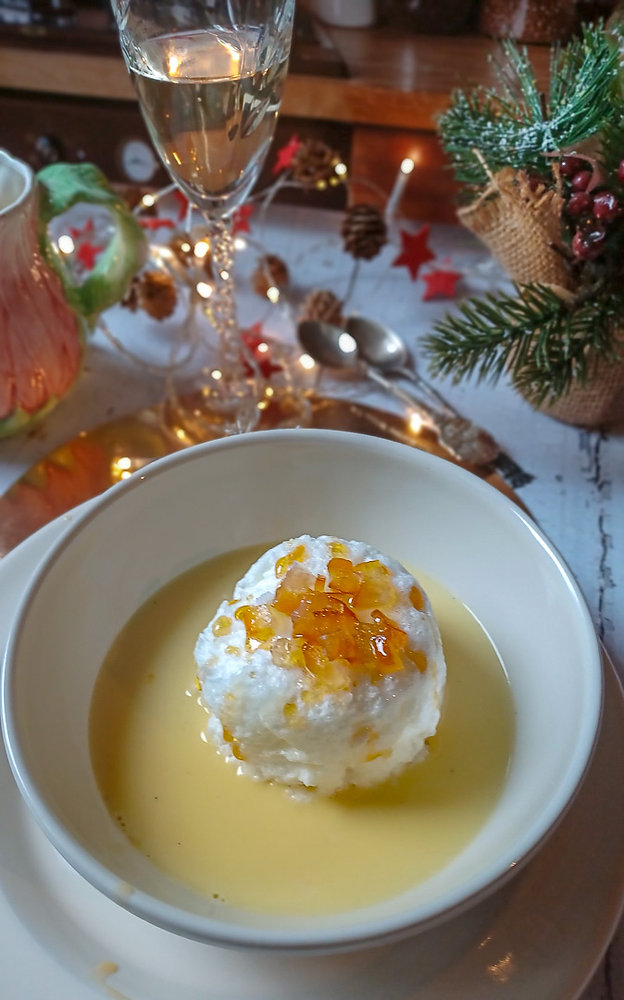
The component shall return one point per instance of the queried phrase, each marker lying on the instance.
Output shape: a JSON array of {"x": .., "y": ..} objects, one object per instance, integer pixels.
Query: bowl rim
[{"x": 380, "y": 930}]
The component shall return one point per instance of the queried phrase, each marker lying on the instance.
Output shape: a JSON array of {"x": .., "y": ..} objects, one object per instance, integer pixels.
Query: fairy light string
[{"x": 195, "y": 266}]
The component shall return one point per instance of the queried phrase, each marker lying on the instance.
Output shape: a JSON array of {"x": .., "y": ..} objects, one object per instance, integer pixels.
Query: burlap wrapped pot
[
  {"x": 521, "y": 226},
  {"x": 598, "y": 403}
]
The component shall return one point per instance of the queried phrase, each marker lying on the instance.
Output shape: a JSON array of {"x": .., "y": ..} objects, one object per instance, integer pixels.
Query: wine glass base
[
  {"x": 209, "y": 413},
  {"x": 195, "y": 417}
]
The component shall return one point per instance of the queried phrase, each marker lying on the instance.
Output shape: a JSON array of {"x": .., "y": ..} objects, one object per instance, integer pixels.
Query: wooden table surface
[{"x": 576, "y": 493}]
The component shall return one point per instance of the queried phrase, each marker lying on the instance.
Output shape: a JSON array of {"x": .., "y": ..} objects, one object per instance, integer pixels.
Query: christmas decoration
[
  {"x": 240, "y": 219},
  {"x": 405, "y": 170},
  {"x": 180, "y": 270},
  {"x": 543, "y": 184},
  {"x": 286, "y": 154},
  {"x": 364, "y": 231},
  {"x": 159, "y": 223},
  {"x": 313, "y": 165},
  {"x": 271, "y": 272},
  {"x": 183, "y": 203},
  {"x": 324, "y": 306},
  {"x": 260, "y": 351},
  {"x": 440, "y": 284},
  {"x": 87, "y": 253},
  {"x": 415, "y": 250},
  {"x": 153, "y": 291}
]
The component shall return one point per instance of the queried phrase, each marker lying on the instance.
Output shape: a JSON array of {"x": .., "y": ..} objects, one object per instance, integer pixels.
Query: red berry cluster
[{"x": 592, "y": 210}]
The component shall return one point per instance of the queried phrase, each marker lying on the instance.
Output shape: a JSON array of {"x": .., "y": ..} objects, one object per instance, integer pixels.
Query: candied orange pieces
[
  {"x": 335, "y": 628},
  {"x": 297, "y": 554},
  {"x": 257, "y": 620},
  {"x": 222, "y": 626},
  {"x": 297, "y": 580},
  {"x": 343, "y": 576},
  {"x": 417, "y": 599},
  {"x": 377, "y": 587}
]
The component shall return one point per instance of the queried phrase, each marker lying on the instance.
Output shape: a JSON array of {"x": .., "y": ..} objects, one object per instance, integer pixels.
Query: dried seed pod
[
  {"x": 271, "y": 271},
  {"x": 364, "y": 231},
  {"x": 154, "y": 292},
  {"x": 180, "y": 245},
  {"x": 323, "y": 306},
  {"x": 314, "y": 165}
]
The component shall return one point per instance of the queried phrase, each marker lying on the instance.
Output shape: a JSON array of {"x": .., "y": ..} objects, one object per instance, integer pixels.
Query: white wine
[{"x": 210, "y": 100}]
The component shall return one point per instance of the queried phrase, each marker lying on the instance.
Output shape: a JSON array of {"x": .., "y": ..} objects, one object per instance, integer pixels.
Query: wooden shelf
[
  {"x": 382, "y": 107},
  {"x": 393, "y": 82}
]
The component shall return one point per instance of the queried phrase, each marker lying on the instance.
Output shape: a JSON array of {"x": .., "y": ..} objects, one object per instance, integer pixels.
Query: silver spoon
[
  {"x": 336, "y": 348},
  {"x": 382, "y": 348}
]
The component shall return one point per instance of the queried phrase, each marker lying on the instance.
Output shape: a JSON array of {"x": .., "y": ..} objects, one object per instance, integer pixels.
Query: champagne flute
[{"x": 209, "y": 76}]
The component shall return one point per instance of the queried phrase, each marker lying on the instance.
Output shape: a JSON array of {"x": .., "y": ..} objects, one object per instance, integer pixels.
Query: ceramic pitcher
[{"x": 44, "y": 317}]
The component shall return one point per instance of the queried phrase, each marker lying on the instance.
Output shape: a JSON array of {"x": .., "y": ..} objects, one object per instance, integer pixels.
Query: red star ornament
[
  {"x": 414, "y": 250},
  {"x": 240, "y": 219},
  {"x": 86, "y": 254},
  {"x": 183, "y": 203},
  {"x": 441, "y": 284},
  {"x": 255, "y": 342},
  {"x": 286, "y": 154},
  {"x": 156, "y": 223},
  {"x": 77, "y": 234}
]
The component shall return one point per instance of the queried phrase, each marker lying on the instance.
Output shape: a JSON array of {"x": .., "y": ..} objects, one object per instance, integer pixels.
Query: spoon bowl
[
  {"x": 378, "y": 345},
  {"x": 328, "y": 344}
]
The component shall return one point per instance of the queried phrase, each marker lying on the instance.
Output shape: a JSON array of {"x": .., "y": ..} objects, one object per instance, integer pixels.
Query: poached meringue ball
[{"x": 324, "y": 670}]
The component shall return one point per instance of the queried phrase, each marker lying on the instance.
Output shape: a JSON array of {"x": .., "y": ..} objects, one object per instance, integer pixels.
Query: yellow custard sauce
[{"x": 254, "y": 845}]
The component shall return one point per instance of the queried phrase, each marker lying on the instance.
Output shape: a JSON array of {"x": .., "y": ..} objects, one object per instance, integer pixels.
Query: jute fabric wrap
[
  {"x": 521, "y": 227},
  {"x": 598, "y": 403}
]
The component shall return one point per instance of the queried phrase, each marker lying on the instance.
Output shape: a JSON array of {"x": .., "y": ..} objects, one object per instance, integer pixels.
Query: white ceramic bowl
[{"x": 258, "y": 488}]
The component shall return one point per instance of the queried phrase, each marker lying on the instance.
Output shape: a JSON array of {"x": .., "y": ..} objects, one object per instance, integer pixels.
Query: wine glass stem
[{"x": 224, "y": 306}]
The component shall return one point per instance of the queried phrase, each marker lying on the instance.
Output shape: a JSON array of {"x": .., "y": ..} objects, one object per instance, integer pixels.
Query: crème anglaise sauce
[{"x": 250, "y": 843}]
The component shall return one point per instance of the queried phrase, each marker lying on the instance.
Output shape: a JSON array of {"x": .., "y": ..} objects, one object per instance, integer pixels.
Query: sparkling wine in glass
[{"x": 209, "y": 76}]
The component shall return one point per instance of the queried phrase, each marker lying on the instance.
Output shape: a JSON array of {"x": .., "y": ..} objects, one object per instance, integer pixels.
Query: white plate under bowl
[
  {"x": 258, "y": 488},
  {"x": 542, "y": 936}
]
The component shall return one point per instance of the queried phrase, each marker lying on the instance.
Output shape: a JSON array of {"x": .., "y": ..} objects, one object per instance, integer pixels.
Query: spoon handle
[
  {"x": 419, "y": 380},
  {"x": 411, "y": 401},
  {"x": 464, "y": 439}
]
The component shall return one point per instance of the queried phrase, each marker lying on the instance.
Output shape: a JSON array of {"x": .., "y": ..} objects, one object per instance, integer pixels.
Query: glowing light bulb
[
  {"x": 240, "y": 243},
  {"x": 204, "y": 289},
  {"x": 66, "y": 244},
  {"x": 200, "y": 249},
  {"x": 121, "y": 468},
  {"x": 405, "y": 169},
  {"x": 148, "y": 200},
  {"x": 341, "y": 169},
  {"x": 415, "y": 422},
  {"x": 307, "y": 363},
  {"x": 273, "y": 294}
]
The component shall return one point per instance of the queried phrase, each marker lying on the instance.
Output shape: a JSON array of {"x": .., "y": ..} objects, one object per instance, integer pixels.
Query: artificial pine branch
[
  {"x": 541, "y": 340},
  {"x": 515, "y": 126},
  {"x": 612, "y": 144}
]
